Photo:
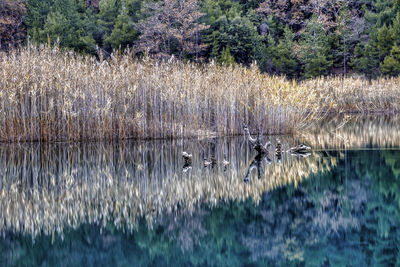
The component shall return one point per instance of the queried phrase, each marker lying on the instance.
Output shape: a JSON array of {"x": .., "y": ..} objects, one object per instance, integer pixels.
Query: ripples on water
[{"x": 135, "y": 203}]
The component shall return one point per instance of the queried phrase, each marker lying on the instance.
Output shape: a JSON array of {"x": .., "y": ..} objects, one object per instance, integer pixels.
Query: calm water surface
[{"x": 137, "y": 204}]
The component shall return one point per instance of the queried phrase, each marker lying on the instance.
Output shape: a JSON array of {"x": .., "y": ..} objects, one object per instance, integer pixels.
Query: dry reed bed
[
  {"x": 357, "y": 94},
  {"x": 41, "y": 202},
  {"x": 50, "y": 95}
]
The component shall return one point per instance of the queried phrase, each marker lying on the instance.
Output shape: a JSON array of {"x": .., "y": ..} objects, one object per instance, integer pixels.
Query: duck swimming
[{"x": 187, "y": 158}]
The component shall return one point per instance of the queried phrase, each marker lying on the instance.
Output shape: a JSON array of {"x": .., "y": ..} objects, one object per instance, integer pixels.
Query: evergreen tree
[
  {"x": 395, "y": 29},
  {"x": 382, "y": 12},
  {"x": 109, "y": 10},
  {"x": 265, "y": 54},
  {"x": 123, "y": 33},
  {"x": 64, "y": 24},
  {"x": 314, "y": 49},
  {"x": 391, "y": 63},
  {"x": 284, "y": 59},
  {"x": 37, "y": 13},
  {"x": 239, "y": 34},
  {"x": 366, "y": 59},
  {"x": 384, "y": 42},
  {"x": 343, "y": 30},
  {"x": 226, "y": 56}
]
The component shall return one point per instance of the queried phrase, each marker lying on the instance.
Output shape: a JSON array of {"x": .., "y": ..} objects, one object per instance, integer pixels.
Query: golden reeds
[
  {"x": 50, "y": 95},
  {"x": 357, "y": 94}
]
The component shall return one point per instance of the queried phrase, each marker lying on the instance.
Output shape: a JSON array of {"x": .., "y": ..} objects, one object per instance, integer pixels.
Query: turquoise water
[{"x": 134, "y": 204}]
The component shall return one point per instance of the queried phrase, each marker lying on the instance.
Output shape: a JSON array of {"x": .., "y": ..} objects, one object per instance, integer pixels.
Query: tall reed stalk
[{"x": 50, "y": 95}]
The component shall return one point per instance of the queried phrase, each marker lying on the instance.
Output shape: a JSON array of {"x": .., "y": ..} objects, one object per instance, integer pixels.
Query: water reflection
[
  {"x": 48, "y": 188},
  {"x": 137, "y": 202},
  {"x": 355, "y": 132}
]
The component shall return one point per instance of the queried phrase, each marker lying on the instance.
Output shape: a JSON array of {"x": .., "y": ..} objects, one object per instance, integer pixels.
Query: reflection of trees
[
  {"x": 331, "y": 219},
  {"x": 348, "y": 216}
]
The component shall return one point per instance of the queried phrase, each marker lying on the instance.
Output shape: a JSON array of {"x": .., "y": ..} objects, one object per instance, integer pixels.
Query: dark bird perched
[
  {"x": 210, "y": 162},
  {"x": 256, "y": 143},
  {"x": 187, "y": 158}
]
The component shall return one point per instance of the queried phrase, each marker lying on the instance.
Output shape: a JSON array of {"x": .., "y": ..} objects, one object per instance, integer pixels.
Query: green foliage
[
  {"x": 391, "y": 63},
  {"x": 123, "y": 33},
  {"x": 344, "y": 36},
  {"x": 284, "y": 59},
  {"x": 314, "y": 49},
  {"x": 226, "y": 56},
  {"x": 343, "y": 32},
  {"x": 383, "y": 12},
  {"x": 239, "y": 34}
]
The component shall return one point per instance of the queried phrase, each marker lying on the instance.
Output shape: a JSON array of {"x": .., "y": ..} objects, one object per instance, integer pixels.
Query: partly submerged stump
[
  {"x": 278, "y": 150},
  {"x": 256, "y": 143},
  {"x": 300, "y": 149}
]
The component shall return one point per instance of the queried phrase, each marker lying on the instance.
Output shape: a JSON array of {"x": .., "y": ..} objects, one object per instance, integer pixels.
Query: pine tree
[
  {"x": 395, "y": 29},
  {"x": 284, "y": 59},
  {"x": 384, "y": 42},
  {"x": 239, "y": 34},
  {"x": 382, "y": 12},
  {"x": 226, "y": 57},
  {"x": 391, "y": 63},
  {"x": 314, "y": 49},
  {"x": 107, "y": 16},
  {"x": 37, "y": 13},
  {"x": 343, "y": 30},
  {"x": 124, "y": 32}
]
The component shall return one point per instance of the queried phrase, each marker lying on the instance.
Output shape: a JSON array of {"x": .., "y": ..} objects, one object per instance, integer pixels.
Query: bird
[
  {"x": 225, "y": 162},
  {"x": 187, "y": 158},
  {"x": 210, "y": 162}
]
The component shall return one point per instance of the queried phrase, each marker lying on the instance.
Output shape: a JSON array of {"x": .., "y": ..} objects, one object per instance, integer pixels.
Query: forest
[{"x": 298, "y": 39}]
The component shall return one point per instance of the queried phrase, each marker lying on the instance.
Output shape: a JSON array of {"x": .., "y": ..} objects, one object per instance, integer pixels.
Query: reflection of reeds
[
  {"x": 49, "y": 95},
  {"x": 48, "y": 189},
  {"x": 355, "y": 132}
]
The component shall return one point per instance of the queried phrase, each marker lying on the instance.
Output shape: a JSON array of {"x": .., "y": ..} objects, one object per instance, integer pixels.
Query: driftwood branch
[
  {"x": 300, "y": 149},
  {"x": 256, "y": 143}
]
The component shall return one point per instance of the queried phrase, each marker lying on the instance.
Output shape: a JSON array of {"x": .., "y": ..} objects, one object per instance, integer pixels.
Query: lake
[{"x": 135, "y": 203}]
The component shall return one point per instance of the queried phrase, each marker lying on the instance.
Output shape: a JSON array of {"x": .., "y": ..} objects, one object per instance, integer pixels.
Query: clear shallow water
[{"x": 134, "y": 203}]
